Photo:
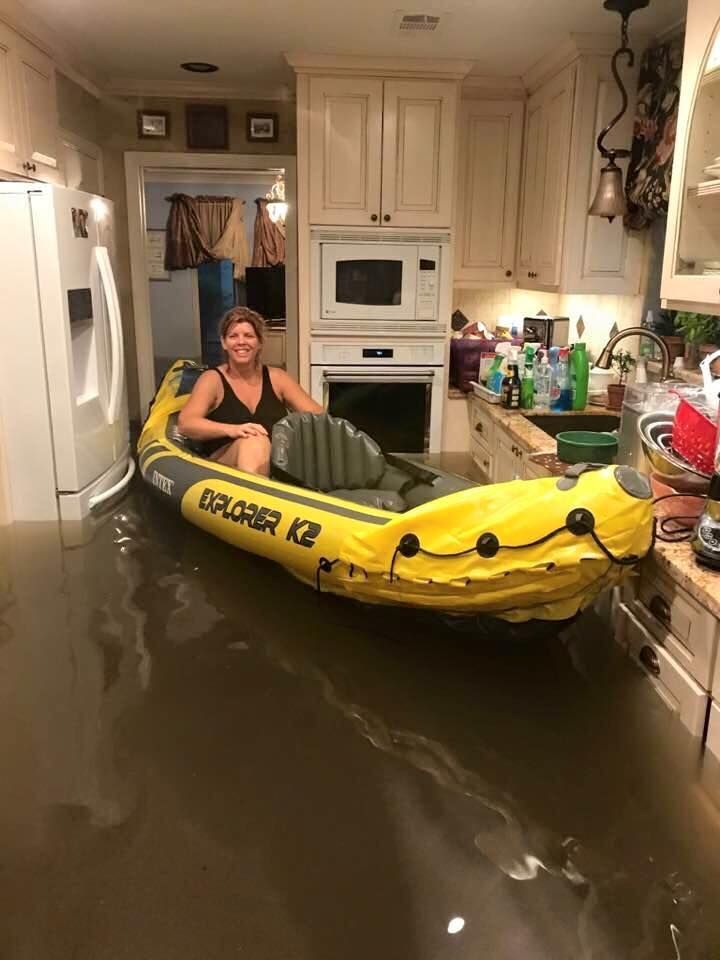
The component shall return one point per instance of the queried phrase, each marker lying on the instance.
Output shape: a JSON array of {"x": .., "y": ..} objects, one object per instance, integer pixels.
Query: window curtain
[
  {"x": 269, "y": 239},
  {"x": 204, "y": 228},
  {"x": 648, "y": 179}
]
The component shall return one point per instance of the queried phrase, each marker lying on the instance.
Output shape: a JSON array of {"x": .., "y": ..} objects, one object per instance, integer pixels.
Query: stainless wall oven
[{"x": 392, "y": 391}]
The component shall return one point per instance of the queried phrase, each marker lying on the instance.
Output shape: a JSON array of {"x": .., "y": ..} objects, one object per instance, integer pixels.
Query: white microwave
[{"x": 377, "y": 281}]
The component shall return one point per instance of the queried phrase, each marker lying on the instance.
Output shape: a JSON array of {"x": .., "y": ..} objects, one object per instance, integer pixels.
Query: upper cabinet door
[
  {"x": 487, "y": 194},
  {"x": 10, "y": 126},
  {"x": 556, "y": 128},
  {"x": 531, "y": 189},
  {"x": 418, "y": 153},
  {"x": 691, "y": 266},
  {"x": 37, "y": 94},
  {"x": 345, "y": 150}
]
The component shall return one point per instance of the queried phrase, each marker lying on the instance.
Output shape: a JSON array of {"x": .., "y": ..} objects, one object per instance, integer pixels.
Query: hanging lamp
[
  {"x": 609, "y": 199},
  {"x": 277, "y": 206}
]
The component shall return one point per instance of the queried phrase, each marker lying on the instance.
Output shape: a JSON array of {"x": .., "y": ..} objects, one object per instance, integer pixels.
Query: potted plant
[
  {"x": 701, "y": 332},
  {"x": 663, "y": 324},
  {"x": 623, "y": 361}
]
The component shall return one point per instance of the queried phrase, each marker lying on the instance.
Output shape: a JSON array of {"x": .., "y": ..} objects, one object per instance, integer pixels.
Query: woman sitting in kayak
[{"x": 234, "y": 406}]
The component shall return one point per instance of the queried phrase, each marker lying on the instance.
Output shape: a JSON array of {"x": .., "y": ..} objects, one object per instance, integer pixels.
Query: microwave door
[{"x": 369, "y": 282}]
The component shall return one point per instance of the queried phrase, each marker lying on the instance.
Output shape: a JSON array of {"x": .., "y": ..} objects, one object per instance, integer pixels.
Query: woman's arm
[
  {"x": 193, "y": 422},
  {"x": 291, "y": 393}
]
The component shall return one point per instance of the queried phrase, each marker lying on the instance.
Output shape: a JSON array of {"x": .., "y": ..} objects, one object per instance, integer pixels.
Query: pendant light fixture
[
  {"x": 609, "y": 199},
  {"x": 277, "y": 206}
]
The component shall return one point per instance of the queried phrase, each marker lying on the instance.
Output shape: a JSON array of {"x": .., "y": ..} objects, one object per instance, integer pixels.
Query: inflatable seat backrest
[{"x": 325, "y": 453}]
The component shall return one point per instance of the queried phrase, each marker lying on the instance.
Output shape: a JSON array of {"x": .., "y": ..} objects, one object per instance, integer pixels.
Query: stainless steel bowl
[{"x": 655, "y": 430}]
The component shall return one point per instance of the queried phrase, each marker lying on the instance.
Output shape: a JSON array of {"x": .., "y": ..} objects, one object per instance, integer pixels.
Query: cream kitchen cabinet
[
  {"x": 488, "y": 184},
  {"x": 561, "y": 248},
  {"x": 381, "y": 151},
  {"x": 691, "y": 266},
  {"x": 29, "y": 143}
]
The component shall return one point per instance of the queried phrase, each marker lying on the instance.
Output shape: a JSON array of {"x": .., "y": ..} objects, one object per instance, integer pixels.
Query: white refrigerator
[{"x": 64, "y": 436}]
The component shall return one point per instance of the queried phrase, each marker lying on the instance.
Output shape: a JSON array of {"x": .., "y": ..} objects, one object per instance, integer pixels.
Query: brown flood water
[{"x": 203, "y": 759}]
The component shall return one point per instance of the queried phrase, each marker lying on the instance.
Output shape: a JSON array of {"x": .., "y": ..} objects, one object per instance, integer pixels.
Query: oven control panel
[
  {"x": 427, "y": 285},
  {"x": 377, "y": 353}
]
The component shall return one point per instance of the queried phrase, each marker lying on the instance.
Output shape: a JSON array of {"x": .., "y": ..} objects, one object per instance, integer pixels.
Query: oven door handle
[{"x": 416, "y": 376}]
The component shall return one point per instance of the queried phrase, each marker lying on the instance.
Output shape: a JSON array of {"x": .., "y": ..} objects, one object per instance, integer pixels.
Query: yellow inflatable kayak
[{"x": 528, "y": 549}]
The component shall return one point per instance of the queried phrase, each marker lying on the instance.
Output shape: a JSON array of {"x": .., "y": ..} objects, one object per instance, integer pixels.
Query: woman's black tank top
[{"x": 232, "y": 410}]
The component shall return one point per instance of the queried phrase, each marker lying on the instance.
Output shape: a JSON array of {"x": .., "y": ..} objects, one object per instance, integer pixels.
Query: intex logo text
[{"x": 164, "y": 484}]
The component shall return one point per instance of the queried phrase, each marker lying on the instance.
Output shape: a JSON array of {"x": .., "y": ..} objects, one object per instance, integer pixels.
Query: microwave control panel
[{"x": 426, "y": 306}]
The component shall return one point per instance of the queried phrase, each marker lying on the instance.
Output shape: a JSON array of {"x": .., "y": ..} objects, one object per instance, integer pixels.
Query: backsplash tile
[{"x": 599, "y": 312}]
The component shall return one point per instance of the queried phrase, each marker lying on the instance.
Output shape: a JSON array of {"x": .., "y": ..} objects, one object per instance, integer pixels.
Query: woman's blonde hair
[{"x": 244, "y": 315}]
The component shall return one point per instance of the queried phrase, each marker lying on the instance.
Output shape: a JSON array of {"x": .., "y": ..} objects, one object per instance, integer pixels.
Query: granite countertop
[{"x": 676, "y": 559}]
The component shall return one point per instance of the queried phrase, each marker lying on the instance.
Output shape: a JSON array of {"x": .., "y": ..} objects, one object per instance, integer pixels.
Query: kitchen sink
[{"x": 553, "y": 424}]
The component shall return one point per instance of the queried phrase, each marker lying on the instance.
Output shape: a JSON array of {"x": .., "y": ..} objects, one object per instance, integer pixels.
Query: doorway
[{"x": 177, "y": 312}]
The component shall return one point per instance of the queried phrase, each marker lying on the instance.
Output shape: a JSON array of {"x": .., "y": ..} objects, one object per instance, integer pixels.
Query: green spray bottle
[
  {"x": 527, "y": 386},
  {"x": 580, "y": 375}
]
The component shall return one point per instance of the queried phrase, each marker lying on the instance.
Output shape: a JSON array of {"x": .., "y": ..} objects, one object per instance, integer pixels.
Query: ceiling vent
[{"x": 417, "y": 24}]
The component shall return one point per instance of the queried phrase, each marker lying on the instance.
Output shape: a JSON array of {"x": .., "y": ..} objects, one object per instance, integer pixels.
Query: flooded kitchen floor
[{"x": 203, "y": 759}]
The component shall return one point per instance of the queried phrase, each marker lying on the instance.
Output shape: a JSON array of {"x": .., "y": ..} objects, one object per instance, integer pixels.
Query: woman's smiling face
[{"x": 242, "y": 344}]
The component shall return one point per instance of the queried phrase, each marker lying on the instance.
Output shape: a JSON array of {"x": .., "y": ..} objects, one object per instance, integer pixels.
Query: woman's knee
[{"x": 252, "y": 454}]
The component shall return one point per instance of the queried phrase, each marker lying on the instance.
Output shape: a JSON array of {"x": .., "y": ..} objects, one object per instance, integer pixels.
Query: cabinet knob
[
  {"x": 373, "y": 217},
  {"x": 386, "y": 218},
  {"x": 479, "y": 427},
  {"x": 508, "y": 273},
  {"x": 649, "y": 659},
  {"x": 660, "y": 608}
]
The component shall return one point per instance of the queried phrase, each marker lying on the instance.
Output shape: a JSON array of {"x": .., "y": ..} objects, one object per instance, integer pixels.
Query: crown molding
[
  {"x": 64, "y": 56},
  {"x": 194, "y": 90},
  {"x": 349, "y": 65},
  {"x": 492, "y": 88},
  {"x": 577, "y": 45},
  {"x": 676, "y": 29}
]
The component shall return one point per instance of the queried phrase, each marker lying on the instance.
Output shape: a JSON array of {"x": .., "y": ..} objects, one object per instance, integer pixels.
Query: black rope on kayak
[
  {"x": 324, "y": 566},
  {"x": 580, "y": 522}
]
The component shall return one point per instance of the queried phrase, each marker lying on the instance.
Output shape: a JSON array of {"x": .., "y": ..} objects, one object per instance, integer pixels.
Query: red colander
[{"x": 694, "y": 436}]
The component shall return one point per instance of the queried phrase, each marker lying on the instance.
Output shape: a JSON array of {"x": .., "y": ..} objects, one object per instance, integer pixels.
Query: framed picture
[
  {"x": 262, "y": 126},
  {"x": 206, "y": 126},
  {"x": 155, "y": 125}
]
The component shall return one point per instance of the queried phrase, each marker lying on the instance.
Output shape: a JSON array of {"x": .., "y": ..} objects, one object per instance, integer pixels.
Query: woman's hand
[{"x": 242, "y": 431}]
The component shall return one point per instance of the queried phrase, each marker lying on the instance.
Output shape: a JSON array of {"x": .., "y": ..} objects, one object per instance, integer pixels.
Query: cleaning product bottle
[
  {"x": 542, "y": 383},
  {"x": 580, "y": 376},
  {"x": 560, "y": 395},
  {"x": 527, "y": 383},
  {"x": 494, "y": 377},
  {"x": 554, "y": 385},
  {"x": 511, "y": 388}
]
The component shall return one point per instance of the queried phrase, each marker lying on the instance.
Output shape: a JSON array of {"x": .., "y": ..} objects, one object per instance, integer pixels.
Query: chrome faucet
[{"x": 605, "y": 358}]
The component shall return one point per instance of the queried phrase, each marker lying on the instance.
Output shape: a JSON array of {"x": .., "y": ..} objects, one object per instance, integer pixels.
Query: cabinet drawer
[
  {"x": 675, "y": 687},
  {"x": 482, "y": 427},
  {"x": 687, "y": 630},
  {"x": 713, "y": 735},
  {"x": 482, "y": 456}
]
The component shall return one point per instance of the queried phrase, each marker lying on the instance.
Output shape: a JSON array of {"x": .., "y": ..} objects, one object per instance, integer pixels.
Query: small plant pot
[
  {"x": 676, "y": 347},
  {"x": 616, "y": 395},
  {"x": 692, "y": 356}
]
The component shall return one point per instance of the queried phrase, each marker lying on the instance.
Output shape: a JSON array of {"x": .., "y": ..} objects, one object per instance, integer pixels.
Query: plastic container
[
  {"x": 694, "y": 435},
  {"x": 560, "y": 393},
  {"x": 586, "y": 446},
  {"x": 580, "y": 376},
  {"x": 542, "y": 384}
]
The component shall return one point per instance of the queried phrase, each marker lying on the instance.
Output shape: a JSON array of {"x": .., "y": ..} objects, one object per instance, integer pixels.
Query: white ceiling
[{"x": 141, "y": 42}]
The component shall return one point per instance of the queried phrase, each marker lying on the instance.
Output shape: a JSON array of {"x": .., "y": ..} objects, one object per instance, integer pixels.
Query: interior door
[
  {"x": 345, "y": 148},
  {"x": 37, "y": 94},
  {"x": 418, "y": 153}
]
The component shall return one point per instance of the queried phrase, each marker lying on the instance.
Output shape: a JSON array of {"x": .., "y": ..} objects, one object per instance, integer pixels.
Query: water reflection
[{"x": 192, "y": 737}]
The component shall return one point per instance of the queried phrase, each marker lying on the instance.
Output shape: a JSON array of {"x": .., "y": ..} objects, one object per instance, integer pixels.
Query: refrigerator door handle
[{"x": 117, "y": 375}]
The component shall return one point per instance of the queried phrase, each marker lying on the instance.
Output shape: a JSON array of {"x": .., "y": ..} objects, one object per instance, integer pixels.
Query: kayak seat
[{"x": 325, "y": 453}]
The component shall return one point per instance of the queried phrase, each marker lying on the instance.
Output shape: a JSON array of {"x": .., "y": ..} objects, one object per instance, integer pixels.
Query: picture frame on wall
[
  {"x": 155, "y": 255},
  {"x": 262, "y": 127},
  {"x": 206, "y": 126},
  {"x": 153, "y": 124}
]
